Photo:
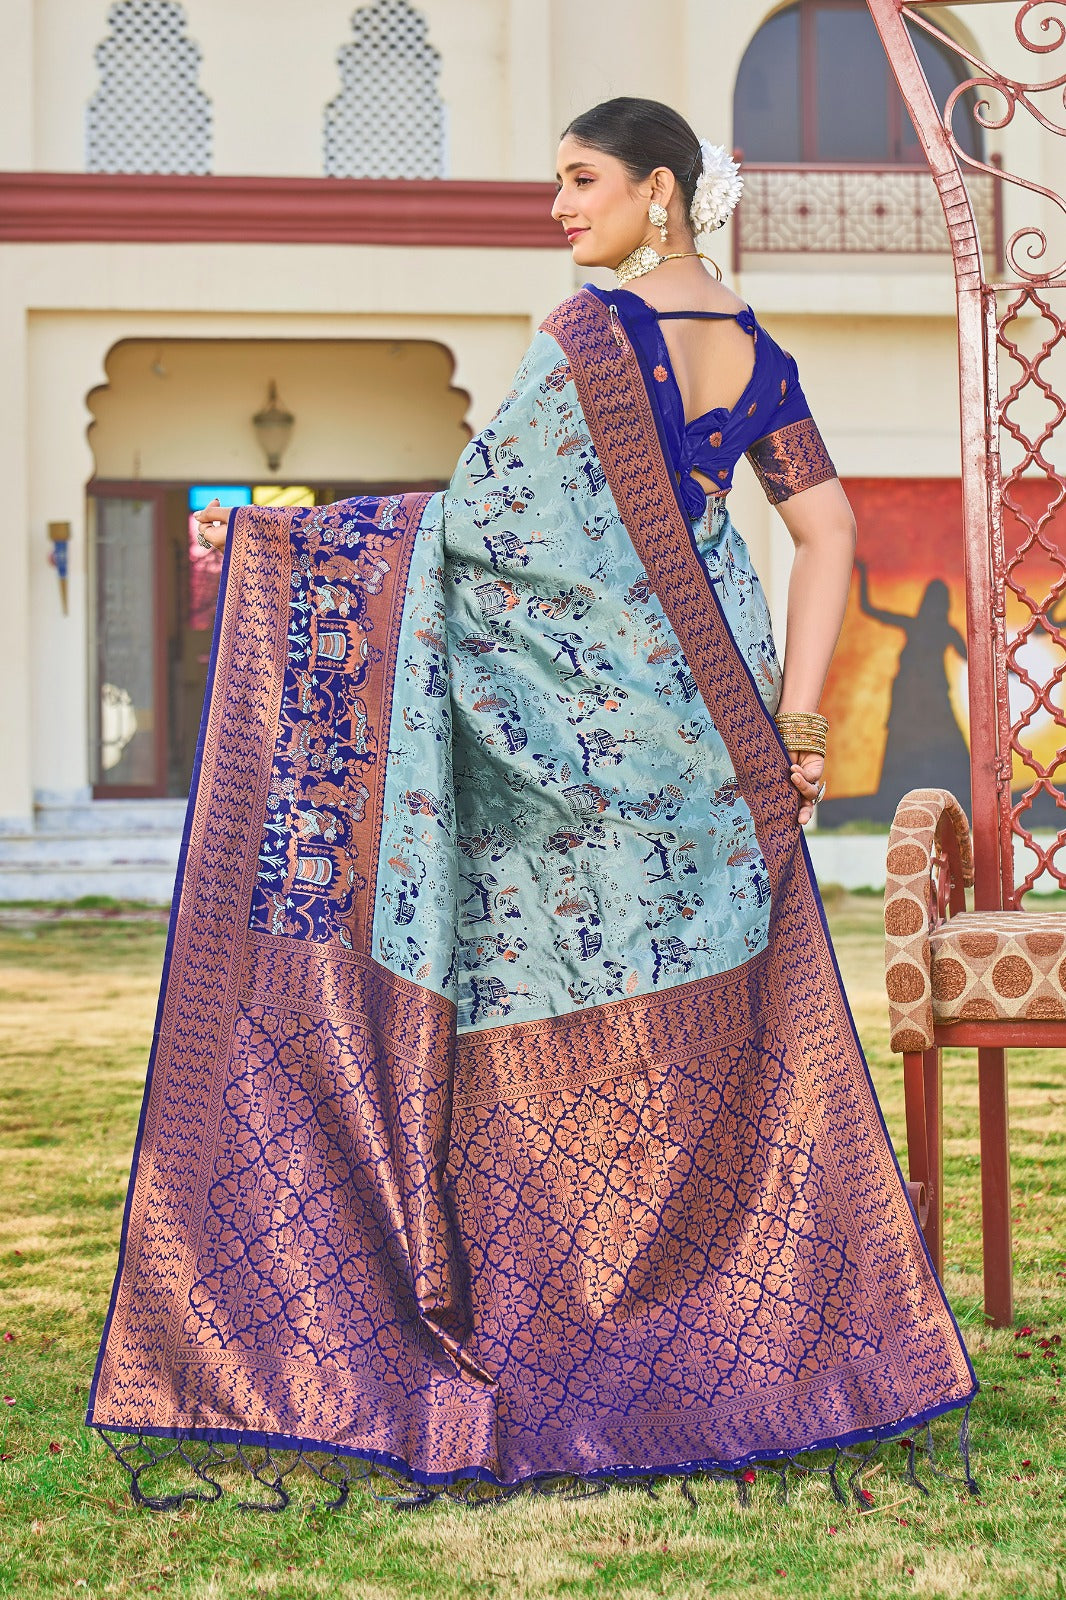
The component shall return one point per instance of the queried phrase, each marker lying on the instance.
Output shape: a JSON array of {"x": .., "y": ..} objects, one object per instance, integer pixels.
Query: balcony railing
[{"x": 841, "y": 210}]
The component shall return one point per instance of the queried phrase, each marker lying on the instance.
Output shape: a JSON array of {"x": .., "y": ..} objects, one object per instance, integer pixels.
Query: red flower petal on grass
[
  {"x": 1023, "y": 1333},
  {"x": 832, "y": 1528},
  {"x": 866, "y": 1497},
  {"x": 1022, "y": 1355},
  {"x": 903, "y": 1522},
  {"x": 780, "y": 1572},
  {"x": 9, "y": 1338},
  {"x": 749, "y": 1476},
  {"x": 906, "y": 1444},
  {"x": 1027, "y": 1463},
  {"x": 55, "y": 1449},
  {"x": 9, "y": 1399}
]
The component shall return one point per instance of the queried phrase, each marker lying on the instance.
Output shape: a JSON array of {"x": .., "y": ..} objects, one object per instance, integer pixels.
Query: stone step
[
  {"x": 150, "y": 883},
  {"x": 109, "y": 816},
  {"x": 48, "y": 851},
  {"x": 124, "y": 849}
]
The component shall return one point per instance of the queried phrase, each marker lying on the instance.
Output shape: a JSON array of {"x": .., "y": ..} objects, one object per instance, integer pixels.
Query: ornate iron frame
[{"x": 1013, "y": 589}]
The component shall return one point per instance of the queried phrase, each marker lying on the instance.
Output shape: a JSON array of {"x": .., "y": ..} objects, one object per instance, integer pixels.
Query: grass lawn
[{"x": 77, "y": 1003}]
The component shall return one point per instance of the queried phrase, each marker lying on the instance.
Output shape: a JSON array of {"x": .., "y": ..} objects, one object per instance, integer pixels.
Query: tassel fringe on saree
[{"x": 506, "y": 1122}]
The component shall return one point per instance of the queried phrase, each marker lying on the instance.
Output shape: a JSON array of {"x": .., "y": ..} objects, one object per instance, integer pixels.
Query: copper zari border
[{"x": 201, "y": 977}]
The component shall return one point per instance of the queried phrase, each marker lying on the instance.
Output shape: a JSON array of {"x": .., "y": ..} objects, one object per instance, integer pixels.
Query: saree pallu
[{"x": 505, "y": 1115}]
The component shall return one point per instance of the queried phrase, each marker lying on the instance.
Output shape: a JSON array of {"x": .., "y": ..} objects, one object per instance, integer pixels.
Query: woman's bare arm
[{"x": 822, "y": 526}]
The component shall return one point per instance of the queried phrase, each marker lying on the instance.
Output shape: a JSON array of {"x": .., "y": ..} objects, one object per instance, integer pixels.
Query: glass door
[{"x": 128, "y": 732}]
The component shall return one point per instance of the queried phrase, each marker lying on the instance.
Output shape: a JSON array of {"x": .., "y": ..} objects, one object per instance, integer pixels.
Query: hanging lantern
[{"x": 273, "y": 426}]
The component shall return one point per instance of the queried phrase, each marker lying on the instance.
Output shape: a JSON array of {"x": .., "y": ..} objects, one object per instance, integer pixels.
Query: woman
[{"x": 506, "y": 1118}]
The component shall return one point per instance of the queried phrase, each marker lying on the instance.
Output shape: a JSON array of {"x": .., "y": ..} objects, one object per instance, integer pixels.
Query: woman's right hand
[{"x": 214, "y": 522}]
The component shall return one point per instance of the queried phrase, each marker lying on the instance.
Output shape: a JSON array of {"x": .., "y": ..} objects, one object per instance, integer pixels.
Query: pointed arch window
[
  {"x": 388, "y": 119},
  {"x": 149, "y": 114},
  {"x": 815, "y": 86}
]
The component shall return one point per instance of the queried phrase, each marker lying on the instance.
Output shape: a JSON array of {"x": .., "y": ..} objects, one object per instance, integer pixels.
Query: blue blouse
[{"x": 771, "y": 422}]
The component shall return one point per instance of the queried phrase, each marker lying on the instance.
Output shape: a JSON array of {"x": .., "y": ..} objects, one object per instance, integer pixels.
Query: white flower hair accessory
[{"x": 718, "y": 188}]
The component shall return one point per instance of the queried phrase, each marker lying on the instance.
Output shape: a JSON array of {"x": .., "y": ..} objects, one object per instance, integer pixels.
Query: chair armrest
[{"x": 929, "y": 863}]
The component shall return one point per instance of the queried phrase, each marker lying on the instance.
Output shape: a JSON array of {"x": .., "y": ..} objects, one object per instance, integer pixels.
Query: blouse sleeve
[{"x": 792, "y": 456}]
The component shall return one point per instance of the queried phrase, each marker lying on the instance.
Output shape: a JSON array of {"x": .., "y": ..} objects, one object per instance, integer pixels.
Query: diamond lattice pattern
[
  {"x": 1032, "y": 362},
  {"x": 149, "y": 114},
  {"x": 388, "y": 119}
]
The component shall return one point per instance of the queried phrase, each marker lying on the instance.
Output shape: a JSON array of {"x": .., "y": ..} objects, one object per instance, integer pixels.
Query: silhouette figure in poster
[
  {"x": 924, "y": 745},
  {"x": 1044, "y": 810}
]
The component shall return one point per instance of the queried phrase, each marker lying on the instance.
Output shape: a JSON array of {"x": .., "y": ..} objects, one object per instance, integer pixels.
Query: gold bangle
[{"x": 803, "y": 731}]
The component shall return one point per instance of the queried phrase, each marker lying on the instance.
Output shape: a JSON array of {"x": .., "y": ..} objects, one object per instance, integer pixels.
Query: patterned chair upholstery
[
  {"x": 975, "y": 966},
  {"x": 953, "y": 976}
]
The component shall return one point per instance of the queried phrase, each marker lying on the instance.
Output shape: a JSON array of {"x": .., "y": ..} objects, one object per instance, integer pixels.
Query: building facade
[{"x": 297, "y": 259}]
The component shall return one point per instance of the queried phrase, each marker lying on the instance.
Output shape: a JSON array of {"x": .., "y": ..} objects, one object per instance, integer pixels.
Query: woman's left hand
[
  {"x": 214, "y": 523},
  {"x": 806, "y": 774}
]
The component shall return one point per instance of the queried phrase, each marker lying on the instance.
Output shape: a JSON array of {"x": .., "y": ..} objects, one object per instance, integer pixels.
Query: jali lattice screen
[
  {"x": 388, "y": 119},
  {"x": 149, "y": 114}
]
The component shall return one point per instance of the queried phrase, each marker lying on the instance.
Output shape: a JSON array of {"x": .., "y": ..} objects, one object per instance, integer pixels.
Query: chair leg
[
  {"x": 995, "y": 1186},
  {"x": 921, "y": 1091},
  {"x": 934, "y": 1144}
]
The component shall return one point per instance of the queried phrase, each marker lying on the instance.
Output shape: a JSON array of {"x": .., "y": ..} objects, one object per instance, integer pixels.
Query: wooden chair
[{"x": 995, "y": 976}]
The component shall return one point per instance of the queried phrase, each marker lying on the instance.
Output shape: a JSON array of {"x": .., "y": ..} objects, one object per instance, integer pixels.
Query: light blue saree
[{"x": 506, "y": 1119}]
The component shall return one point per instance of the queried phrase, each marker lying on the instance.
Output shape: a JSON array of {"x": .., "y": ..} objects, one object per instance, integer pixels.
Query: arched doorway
[{"x": 174, "y": 425}]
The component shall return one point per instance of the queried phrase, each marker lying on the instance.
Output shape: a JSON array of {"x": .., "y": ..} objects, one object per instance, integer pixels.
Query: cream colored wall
[
  {"x": 20, "y": 89},
  {"x": 269, "y": 73},
  {"x": 16, "y": 714},
  {"x": 603, "y": 48},
  {"x": 365, "y": 410}
]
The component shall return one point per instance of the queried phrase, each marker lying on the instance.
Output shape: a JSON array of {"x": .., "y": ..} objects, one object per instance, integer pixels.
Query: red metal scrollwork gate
[{"x": 996, "y": 976}]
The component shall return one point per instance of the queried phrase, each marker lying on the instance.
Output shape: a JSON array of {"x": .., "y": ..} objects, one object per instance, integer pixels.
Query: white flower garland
[{"x": 718, "y": 189}]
